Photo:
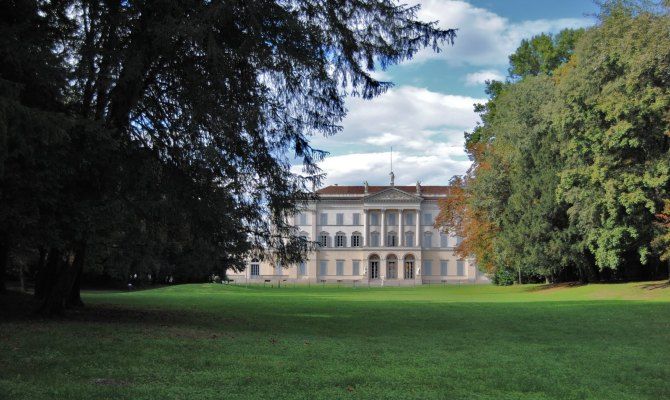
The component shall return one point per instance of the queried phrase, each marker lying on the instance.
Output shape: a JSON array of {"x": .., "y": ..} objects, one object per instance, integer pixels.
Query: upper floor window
[
  {"x": 427, "y": 239},
  {"x": 409, "y": 218},
  {"x": 444, "y": 240},
  {"x": 323, "y": 219},
  {"x": 374, "y": 239},
  {"x": 339, "y": 218},
  {"x": 392, "y": 239},
  {"x": 323, "y": 239},
  {"x": 458, "y": 240},
  {"x": 356, "y": 239},
  {"x": 340, "y": 240},
  {"x": 374, "y": 218},
  {"x": 409, "y": 239},
  {"x": 390, "y": 218},
  {"x": 428, "y": 219},
  {"x": 357, "y": 218},
  {"x": 302, "y": 218}
]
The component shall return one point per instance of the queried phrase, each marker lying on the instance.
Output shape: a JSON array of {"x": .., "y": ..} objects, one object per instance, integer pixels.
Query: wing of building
[{"x": 377, "y": 235}]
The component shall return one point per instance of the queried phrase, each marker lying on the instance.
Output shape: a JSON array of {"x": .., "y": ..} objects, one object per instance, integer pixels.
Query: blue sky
[{"x": 425, "y": 115}]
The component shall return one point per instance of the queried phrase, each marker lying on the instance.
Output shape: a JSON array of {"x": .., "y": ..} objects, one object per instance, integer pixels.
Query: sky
[{"x": 424, "y": 116}]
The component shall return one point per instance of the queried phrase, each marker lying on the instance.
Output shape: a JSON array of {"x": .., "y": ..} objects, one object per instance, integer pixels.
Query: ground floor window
[
  {"x": 255, "y": 269},
  {"x": 460, "y": 267},
  {"x": 323, "y": 268},
  {"x": 339, "y": 266},
  {"x": 302, "y": 268},
  {"x": 428, "y": 268},
  {"x": 408, "y": 270},
  {"x": 374, "y": 268},
  {"x": 356, "y": 268}
]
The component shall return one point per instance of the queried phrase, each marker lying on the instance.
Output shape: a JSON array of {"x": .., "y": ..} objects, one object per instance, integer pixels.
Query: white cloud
[
  {"x": 480, "y": 77},
  {"x": 424, "y": 127},
  {"x": 484, "y": 38}
]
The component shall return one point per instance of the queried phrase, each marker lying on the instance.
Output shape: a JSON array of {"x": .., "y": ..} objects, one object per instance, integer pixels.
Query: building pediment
[{"x": 392, "y": 195}]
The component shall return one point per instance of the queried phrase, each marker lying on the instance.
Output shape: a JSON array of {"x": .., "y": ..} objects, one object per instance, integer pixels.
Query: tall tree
[{"x": 186, "y": 117}]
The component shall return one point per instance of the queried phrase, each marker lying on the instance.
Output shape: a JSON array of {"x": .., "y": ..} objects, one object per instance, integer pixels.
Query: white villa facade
[{"x": 373, "y": 235}]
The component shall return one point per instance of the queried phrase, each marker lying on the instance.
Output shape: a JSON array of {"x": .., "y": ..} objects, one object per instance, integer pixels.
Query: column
[
  {"x": 366, "y": 224},
  {"x": 383, "y": 230},
  {"x": 418, "y": 228},
  {"x": 313, "y": 262},
  {"x": 400, "y": 226}
]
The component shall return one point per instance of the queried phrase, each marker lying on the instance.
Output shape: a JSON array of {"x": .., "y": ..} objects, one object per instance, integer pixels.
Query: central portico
[{"x": 378, "y": 235}]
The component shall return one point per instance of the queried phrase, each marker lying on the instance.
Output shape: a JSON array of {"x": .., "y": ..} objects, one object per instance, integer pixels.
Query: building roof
[{"x": 337, "y": 190}]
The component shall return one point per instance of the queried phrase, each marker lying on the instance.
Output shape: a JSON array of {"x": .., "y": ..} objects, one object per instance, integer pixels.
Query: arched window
[
  {"x": 409, "y": 239},
  {"x": 391, "y": 267},
  {"x": 324, "y": 238},
  {"x": 391, "y": 239},
  {"x": 356, "y": 239},
  {"x": 409, "y": 267},
  {"x": 374, "y": 239},
  {"x": 340, "y": 239},
  {"x": 373, "y": 269}
]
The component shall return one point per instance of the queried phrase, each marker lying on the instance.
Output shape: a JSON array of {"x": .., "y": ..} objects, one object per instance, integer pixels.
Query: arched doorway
[
  {"x": 373, "y": 266},
  {"x": 391, "y": 267},
  {"x": 409, "y": 267}
]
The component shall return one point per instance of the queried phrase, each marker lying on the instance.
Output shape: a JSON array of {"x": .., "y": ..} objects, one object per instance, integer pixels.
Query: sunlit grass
[{"x": 456, "y": 342}]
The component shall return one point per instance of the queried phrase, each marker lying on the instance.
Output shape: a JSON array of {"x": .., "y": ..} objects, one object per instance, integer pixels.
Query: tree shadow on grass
[
  {"x": 550, "y": 286},
  {"x": 655, "y": 285}
]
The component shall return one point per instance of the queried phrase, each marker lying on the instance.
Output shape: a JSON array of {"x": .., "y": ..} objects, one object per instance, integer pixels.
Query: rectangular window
[
  {"x": 428, "y": 219},
  {"x": 323, "y": 240},
  {"x": 409, "y": 239},
  {"x": 374, "y": 219},
  {"x": 340, "y": 241},
  {"x": 279, "y": 270},
  {"x": 444, "y": 240},
  {"x": 458, "y": 240},
  {"x": 390, "y": 218},
  {"x": 427, "y": 239},
  {"x": 302, "y": 268},
  {"x": 356, "y": 240},
  {"x": 357, "y": 219},
  {"x": 339, "y": 217},
  {"x": 390, "y": 240},
  {"x": 409, "y": 219},
  {"x": 323, "y": 219},
  {"x": 375, "y": 239},
  {"x": 255, "y": 269},
  {"x": 427, "y": 267},
  {"x": 356, "y": 268},
  {"x": 323, "y": 267},
  {"x": 339, "y": 265},
  {"x": 444, "y": 267},
  {"x": 302, "y": 219},
  {"x": 460, "y": 268}
]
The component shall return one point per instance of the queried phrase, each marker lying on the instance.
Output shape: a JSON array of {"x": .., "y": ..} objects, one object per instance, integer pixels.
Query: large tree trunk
[
  {"x": 41, "y": 270},
  {"x": 4, "y": 260},
  {"x": 74, "y": 297},
  {"x": 60, "y": 282}
]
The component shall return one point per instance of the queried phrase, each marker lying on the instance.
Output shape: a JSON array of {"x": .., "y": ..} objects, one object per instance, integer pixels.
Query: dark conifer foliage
[{"x": 156, "y": 138}]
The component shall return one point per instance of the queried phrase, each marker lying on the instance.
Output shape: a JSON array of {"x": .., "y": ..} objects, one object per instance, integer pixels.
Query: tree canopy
[
  {"x": 571, "y": 163},
  {"x": 156, "y": 138}
]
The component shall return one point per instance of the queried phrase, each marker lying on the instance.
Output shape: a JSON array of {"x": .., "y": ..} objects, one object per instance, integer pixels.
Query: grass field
[{"x": 467, "y": 342}]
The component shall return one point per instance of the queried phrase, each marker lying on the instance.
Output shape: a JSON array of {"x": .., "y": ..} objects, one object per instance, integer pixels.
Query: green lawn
[{"x": 226, "y": 342}]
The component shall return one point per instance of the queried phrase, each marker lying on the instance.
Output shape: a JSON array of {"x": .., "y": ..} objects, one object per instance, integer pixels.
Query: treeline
[
  {"x": 155, "y": 139},
  {"x": 571, "y": 162}
]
